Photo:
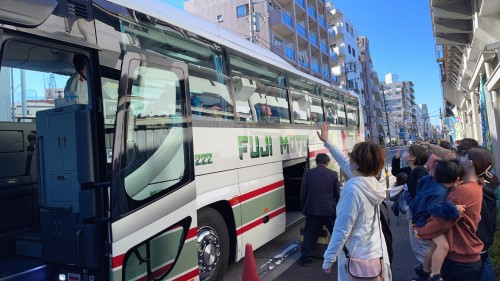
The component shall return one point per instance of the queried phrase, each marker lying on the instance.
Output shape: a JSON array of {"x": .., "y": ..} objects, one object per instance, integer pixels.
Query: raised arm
[{"x": 336, "y": 152}]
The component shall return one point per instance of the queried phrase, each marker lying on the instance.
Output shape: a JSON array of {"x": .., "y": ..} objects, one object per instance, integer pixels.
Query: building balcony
[
  {"x": 333, "y": 57},
  {"x": 321, "y": 21},
  {"x": 285, "y": 51},
  {"x": 290, "y": 52},
  {"x": 311, "y": 12},
  {"x": 323, "y": 47},
  {"x": 340, "y": 51},
  {"x": 301, "y": 4},
  {"x": 315, "y": 66},
  {"x": 335, "y": 80},
  {"x": 313, "y": 39},
  {"x": 326, "y": 72},
  {"x": 301, "y": 31},
  {"x": 304, "y": 64},
  {"x": 339, "y": 32},
  {"x": 331, "y": 35},
  {"x": 281, "y": 22}
]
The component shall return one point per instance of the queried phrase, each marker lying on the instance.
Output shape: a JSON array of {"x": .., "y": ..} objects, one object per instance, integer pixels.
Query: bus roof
[{"x": 205, "y": 28}]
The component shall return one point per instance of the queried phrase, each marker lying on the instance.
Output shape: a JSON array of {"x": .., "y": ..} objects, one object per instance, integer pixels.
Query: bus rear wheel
[{"x": 213, "y": 245}]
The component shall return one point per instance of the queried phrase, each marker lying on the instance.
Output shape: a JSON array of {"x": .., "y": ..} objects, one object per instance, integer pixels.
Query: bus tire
[{"x": 213, "y": 245}]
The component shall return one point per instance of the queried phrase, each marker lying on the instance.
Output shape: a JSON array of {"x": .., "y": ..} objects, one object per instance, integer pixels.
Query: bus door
[{"x": 153, "y": 208}]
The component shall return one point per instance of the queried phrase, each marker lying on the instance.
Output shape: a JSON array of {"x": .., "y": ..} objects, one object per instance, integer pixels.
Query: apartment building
[
  {"x": 426, "y": 122},
  {"x": 296, "y": 30},
  {"x": 345, "y": 45},
  {"x": 400, "y": 105},
  {"x": 418, "y": 129},
  {"x": 370, "y": 87},
  {"x": 379, "y": 109},
  {"x": 468, "y": 55}
]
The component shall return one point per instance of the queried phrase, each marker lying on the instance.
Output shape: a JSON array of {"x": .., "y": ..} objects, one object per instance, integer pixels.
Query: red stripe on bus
[
  {"x": 188, "y": 276},
  {"x": 313, "y": 154},
  {"x": 192, "y": 233},
  {"x": 118, "y": 261},
  {"x": 257, "y": 192},
  {"x": 157, "y": 272},
  {"x": 259, "y": 221}
]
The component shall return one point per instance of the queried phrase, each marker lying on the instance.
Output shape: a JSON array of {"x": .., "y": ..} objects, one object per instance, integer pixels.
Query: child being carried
[{"x": 430, "y": 200}]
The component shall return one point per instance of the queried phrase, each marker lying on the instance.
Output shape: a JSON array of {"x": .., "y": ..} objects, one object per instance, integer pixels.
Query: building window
[
  {"x": 349, "y": 48},
  {"x": 277, "y": 41},
  {"x": 347, "y": 27},
  {"x": 353, "y": 52},
  {"x": 219, "y": 18},
  {"x": 242, "y": 11}
]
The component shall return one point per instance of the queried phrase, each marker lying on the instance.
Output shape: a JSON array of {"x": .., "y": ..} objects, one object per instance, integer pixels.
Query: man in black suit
[{"x": 320, "y": 192}]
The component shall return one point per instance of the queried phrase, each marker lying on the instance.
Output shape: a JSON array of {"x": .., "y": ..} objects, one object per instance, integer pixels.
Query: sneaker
[
  {"x": 436, "y": 277},
  {"x": 419, "y": 270}
]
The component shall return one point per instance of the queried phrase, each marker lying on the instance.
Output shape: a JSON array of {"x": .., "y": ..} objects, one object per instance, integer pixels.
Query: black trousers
[
  {"x": 458, "y": 271},
  {"x": 311, "y": 232}
]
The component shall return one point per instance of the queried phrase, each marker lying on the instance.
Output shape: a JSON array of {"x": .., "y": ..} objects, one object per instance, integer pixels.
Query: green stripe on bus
[
  {"x": 256, "y": 208},
  {"x": 163, "y": 250}
]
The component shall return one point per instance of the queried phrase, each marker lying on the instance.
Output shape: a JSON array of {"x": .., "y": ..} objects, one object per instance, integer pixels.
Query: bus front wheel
[{"x": 213, "y": 245}]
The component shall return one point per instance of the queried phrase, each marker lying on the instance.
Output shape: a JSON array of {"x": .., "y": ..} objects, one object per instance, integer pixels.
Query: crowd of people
[{"x": 446, "y": 191}]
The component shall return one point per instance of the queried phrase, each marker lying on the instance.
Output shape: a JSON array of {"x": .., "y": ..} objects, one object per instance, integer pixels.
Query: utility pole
[
  {"x": 386, "y": 116},
  {"x": 254, "y": 19},
  {"x": 442, "y": 124},
  {"x": 251, "y": 13}
]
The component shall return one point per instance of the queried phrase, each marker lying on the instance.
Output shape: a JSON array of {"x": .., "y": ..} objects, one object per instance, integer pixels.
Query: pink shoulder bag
[{"x": 366, "y": 270}]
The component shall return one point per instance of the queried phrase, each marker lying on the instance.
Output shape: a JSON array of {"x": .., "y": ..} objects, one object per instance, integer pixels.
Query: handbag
[{"x": 365, "y": 270}]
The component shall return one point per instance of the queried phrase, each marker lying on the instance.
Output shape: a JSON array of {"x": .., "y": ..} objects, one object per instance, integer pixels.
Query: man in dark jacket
[{"x": 320, "y": 191}]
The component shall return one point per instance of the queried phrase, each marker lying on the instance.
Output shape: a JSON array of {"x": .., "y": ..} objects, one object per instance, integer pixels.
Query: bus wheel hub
[{"x": 208, "y": 250}]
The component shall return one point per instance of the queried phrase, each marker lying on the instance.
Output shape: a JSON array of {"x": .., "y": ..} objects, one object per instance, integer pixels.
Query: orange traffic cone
[{"x": 249, "y": 267}]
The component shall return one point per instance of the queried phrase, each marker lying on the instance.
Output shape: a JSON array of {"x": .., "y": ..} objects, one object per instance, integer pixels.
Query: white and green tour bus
[{"x": 140, "y": 142}]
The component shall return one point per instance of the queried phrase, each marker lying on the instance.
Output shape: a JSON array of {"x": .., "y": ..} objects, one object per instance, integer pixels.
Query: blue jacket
[{"x": 431, "y": 200}]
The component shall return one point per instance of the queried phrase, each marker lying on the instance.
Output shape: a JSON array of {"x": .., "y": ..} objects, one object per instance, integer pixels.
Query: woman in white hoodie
[{"x": 357, "y": 225}]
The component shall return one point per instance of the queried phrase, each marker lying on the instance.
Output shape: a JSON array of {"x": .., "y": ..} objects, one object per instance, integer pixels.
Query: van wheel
[{"x": 213, "y": 245}]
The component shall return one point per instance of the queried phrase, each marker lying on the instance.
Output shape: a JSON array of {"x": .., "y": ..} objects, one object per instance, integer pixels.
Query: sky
[{"x": 401, "y": 42}]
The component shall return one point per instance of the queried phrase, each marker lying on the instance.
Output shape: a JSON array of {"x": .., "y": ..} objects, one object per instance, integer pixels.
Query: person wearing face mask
[
  {"x": 416, "y": 157},
  {"x": 463, "y": 262},
  {"x": 487, "y": 225}
]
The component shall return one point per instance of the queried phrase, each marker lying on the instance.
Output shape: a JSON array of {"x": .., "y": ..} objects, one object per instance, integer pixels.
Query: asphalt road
[{"x": 276, "y": 261}]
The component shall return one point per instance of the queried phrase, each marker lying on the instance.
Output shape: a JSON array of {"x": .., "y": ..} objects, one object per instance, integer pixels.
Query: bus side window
[
  {"x": 244, "y": 91},
  {"x": 155, "y": 136}
]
